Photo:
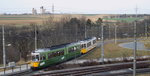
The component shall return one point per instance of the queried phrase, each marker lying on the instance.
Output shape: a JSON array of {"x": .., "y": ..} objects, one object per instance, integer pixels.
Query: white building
[
  {"x": 34, "y": 12},
  {"x": 42, "y": 10}
]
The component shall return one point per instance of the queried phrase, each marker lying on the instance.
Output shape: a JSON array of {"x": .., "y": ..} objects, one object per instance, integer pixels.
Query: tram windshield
[{"x": 35, "y": 58}]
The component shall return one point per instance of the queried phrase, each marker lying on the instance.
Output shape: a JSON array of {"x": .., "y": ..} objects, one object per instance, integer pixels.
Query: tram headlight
[{"x": 34, "y": 64}]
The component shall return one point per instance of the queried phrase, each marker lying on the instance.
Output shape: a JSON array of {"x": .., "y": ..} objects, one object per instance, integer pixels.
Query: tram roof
[
  {"x": 51, "y": 48},
  {"x": 60, "y": 46}
]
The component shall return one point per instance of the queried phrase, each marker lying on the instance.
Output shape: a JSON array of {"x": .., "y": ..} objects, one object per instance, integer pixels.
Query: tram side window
[
  {"x": 94, "y": 41},
  {"x": 42, "y": 57},
  {"x": 61, "y": 52},
  {"x": 54, "y": 54},
  {"x": 50, "y": 55},
  {"x": 73, "y": 49},
  {"x": 35, "y": 58},
  {"x": 83, "y": 45},
  {"x": 70, "y": 49},
  {"x": 89, "y": 44},
  {"x": 58, "y": 53}
]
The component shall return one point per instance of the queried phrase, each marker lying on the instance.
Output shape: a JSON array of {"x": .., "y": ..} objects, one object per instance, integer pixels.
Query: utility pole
[
  {"x": 53, "y": 8},
  {"x": 4, "y": 52},
  {"x": 146, "y": 30},
  {"x": 85, "y": 34},
  {"x": 76, "y": 33},
  {"x": 115, "y": 34},
  {"x": 135, "y": 46},
  {"x": 35, "y": 38},
  {"x": 109, "y": 31},
  {"x": 102, "y": 41}
]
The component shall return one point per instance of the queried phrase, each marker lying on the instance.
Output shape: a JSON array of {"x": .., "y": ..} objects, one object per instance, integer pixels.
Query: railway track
[
  {"x": 20, "y": 73},
  {"x": 29, "y": 72},
  {"x": 83, "y": 71},
  {"x": 93, "y": 69}
]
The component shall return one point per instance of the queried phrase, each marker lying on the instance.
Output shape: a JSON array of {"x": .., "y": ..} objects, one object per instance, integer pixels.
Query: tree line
[{"x": 66, "y": 30}]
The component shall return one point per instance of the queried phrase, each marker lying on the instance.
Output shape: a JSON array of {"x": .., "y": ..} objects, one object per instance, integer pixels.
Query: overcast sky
[{"x": 77, "y": 6}]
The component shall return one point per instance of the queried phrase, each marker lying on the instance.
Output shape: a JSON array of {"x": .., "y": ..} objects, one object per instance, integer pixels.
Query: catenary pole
[
  {"x": 135, "y": 45},
  {"x": 35, "y": 38},
  {"x": 102, "y": 41},
  {"x": 115, "y": 34},
  {"x": 4, "y": 52},
  {"x": 85, "y": 34},
  {"x": 146, "y": 30}
]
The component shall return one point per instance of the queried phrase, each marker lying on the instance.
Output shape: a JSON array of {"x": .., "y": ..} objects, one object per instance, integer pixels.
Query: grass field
[
  {"x": 27, "y": 19},
  {"x": 21, "y": 19},
  {"x": 146, "y": 74},
  {"x": 146, "y": 42},
  {"x": 123, "y": 19},
  {"x": 112, "y": 51}
]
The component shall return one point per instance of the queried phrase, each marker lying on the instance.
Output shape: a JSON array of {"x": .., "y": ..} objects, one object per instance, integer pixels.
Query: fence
[{"x": 14, "y": 69}]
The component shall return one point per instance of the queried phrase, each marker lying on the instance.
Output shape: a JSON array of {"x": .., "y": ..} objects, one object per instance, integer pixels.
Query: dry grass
[
  {"x": 19, "y": 22},
  {"x": 147, "y": 74},
  {"x": 147, "y": 45},
  {"x": 146, "y": 42},
  {"x": 27, "y": 19},
  {"x": 112, "y": 51},
  {"x": 21, "y": 62}
]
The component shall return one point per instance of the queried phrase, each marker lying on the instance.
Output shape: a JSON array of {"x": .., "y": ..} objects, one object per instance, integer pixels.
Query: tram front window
[{"x": 35, "y": 58}]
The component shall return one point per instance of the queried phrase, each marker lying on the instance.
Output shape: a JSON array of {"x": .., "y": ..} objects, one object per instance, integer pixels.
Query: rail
[{"x": 94, "y": 69}]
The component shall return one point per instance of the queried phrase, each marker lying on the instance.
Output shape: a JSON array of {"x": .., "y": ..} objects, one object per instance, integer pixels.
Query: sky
[{"x": 77, "y": 6}]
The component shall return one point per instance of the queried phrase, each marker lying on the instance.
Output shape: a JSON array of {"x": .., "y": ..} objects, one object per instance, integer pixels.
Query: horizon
[{"x": 76, "y": 7}]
